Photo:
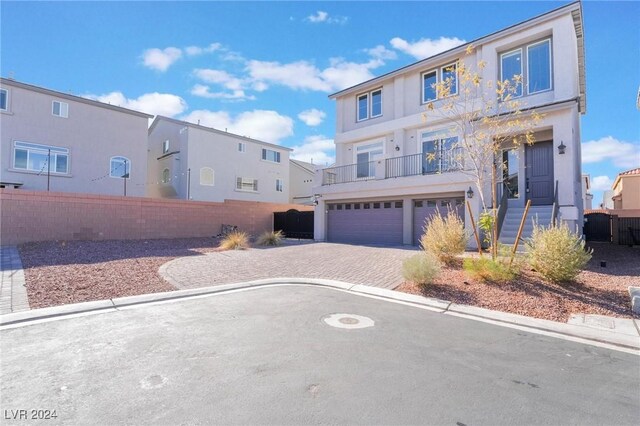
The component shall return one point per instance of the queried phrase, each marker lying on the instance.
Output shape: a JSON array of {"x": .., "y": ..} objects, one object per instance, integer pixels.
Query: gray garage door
[
  {"x": 365, "y": 223},
  {"x": 423, "y": 209}
]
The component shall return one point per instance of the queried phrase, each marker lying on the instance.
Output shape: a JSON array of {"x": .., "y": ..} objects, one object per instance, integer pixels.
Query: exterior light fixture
[
  {"x": 470, "y": 193},
  {"x": 561, "y": 148},
  {"x": 397, "y": 148}
]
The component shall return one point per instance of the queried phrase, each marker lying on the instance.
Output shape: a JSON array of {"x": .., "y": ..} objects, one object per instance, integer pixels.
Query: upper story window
[
  {"x": 270, "y": 155},
  {"x": 40, "y": 158},
  {"x": 279, "y": 185},
  {"x": 207, "y": 176},
  {"x": 247, "y": 184},
  {"x": 166, "y": 176},
  {"x": 532, "y": 63},
  {"x": 440, "y": 153},
  {"x": 430, "y": 79},
  {"x": 4, "y": 99},
  {"x": 60, "y": 109},
  {"x": 120, "y": 167},
  {"x": 165, "y": 146},
  {"x": 369, "y": 105},
  {"x": 242, "y": 147}
]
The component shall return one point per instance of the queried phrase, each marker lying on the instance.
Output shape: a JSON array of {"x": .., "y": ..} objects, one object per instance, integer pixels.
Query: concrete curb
[{"x": 442, "y": 306}]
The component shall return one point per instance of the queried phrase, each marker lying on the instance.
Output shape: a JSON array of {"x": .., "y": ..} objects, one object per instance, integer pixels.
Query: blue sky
[{"x": 265, "y": 69}]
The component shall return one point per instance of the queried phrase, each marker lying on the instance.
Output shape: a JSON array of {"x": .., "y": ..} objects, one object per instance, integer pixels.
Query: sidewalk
[{"x": 13, "y": 293}]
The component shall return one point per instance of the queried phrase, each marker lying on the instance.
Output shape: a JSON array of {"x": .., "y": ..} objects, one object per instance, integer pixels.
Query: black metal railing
[
  {"x": 423, "y": 164},
  {"x": 555, "y": 208},
  {"x": 502, "y": 208},
  {"x": 349, "y": 173}
]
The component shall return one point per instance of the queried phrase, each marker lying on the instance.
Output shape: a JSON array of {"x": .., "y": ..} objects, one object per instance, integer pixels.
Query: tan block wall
[{"x": 27, "y": 216}]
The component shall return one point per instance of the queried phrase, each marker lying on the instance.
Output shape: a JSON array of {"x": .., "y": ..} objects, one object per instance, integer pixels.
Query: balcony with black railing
[{"x": 349, "y": 173}]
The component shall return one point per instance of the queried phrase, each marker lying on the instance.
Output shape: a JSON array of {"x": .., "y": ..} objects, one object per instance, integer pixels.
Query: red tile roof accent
[{"x": 630, "y": 172}]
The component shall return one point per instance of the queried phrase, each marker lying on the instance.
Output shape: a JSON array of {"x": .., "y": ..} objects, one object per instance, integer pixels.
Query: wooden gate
[
  {"x": 597, "y": 227},
  {"x": 294, "y": 224}
]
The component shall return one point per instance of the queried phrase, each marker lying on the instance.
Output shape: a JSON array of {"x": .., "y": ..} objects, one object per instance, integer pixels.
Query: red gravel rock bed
[
  {"x": 58, "y": 273},
  {"x": 597, "y": 290}
]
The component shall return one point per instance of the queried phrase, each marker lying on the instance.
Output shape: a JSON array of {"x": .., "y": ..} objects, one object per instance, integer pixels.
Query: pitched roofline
[
  {"x": 44, "y": 90},
  {"x": 574, "y": 6},
  {"x": 624, "y": 174},
  {"x": 212, "y": 130},
  {"x": 302, "y": 166}
]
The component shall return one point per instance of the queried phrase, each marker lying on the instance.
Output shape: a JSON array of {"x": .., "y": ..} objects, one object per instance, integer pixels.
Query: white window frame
[
  {"x": 279, "y": 185},
  {"x": 166, "y": 179},
  {"x": 546, "y": 40},
  {"x": 41, "y": 149},
  {"x": 213, "y": 176},
  {"x": 502, "y": 78},
  {"x": 369, "y": 96},
  {"x": 128, "y": 165},
  {"x": 438, "y": 135},
  {"x": 6, "y": 97},
  {"x": 439, "y": 78},
  {"x": 64, "y": 109},
  {"x": 277, "y": 155},
  {"x": 165, "y": 146},
  {"x": 242, "y": 147},
  {"x": 244, "y": 181}
]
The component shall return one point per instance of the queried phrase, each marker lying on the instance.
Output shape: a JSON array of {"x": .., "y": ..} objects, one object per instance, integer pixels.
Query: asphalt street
[{"x": 267, "y": 356}]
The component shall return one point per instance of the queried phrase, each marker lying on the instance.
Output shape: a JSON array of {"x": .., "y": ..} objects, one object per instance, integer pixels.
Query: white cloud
[
  {"x": 264, "y": 125},
  {"x": 161, "y": 60},
  {"x": 196, "y": 50},
  {"x": 601, "y": 183},
  {"x": 622, "y": 154},
  {"x": 426, "y": 47},
  {"x": 219, "y": 77},
  {"x": 316, "y": 149},
  {"x": 323, "y": 17},
  {"x": 151, "y": 103},
  {"x": 235, "y": 95},
  {"x": 381, "y": 52},
  {"x": 312, "y": 117}
]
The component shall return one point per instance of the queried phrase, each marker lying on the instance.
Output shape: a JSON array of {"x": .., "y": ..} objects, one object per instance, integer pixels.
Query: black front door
[{"x": 539, "y": 173}]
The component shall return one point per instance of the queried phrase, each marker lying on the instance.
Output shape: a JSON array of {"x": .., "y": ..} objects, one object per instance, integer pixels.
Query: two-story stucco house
[
  {"x": 190, "y": 161},
  {"x": 60, "y": 142},
  {"x": 391, "y": 171}
]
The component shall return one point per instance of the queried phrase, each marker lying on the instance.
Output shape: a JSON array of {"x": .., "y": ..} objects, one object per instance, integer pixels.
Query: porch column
[
  {"x": 320, "y": 221},
  {"x": 407, "y": 221}
]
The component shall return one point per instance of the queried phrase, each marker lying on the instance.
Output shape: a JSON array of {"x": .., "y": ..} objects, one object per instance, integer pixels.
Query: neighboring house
[
  {"x": 626, "y": 190},
  {"x": 190, "y": 161},
  {"x": 383, "y": 186},
  {"x": 68, "y": 143},
  {"x": 301, "y": 186},
  {"x": 587, "y": 197},
  {"x": 607, "y": 199}
]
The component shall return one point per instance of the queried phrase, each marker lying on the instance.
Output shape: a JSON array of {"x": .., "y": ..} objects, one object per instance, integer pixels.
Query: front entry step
[{"x": 537, "y": 214}]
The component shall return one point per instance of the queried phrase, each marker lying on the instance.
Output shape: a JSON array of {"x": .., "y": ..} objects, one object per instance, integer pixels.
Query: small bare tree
[{"x": 486, "y": 116}]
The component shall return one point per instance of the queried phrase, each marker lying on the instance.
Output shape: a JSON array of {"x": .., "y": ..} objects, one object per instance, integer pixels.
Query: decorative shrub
[
  {"x": 485, "y": 223},
  {"x": 444, "y": 237},
  {"x": 487, "y": 269},
  {"x": 270, "y": 238},
  {"x": 557, "y": 253},
  {"x": 235, "y": 240},
  {"x": 421, "y": 268}
]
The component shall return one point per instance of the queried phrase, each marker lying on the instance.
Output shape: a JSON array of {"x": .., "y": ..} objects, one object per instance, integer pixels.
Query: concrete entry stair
[{"x": 509, "y": 232}]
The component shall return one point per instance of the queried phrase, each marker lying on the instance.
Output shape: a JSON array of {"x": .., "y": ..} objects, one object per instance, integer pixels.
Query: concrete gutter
[{"x": 576, "y": 332}]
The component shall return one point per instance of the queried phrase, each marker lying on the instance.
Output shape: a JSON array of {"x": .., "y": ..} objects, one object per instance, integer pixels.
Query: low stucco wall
[{"x": 28, "y": 216}]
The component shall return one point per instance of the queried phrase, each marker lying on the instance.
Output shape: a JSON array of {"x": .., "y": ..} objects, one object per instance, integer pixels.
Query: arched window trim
[{"x": 122, "y": 160}]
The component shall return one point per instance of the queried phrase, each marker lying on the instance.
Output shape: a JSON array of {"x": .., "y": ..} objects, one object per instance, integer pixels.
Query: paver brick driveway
[{"x": 374, "y": 266}]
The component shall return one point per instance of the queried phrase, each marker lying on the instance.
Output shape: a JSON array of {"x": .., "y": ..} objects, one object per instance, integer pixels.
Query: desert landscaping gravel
[
  {"x": 597, "y": 290},
  {"x": 58, "y": 273}
]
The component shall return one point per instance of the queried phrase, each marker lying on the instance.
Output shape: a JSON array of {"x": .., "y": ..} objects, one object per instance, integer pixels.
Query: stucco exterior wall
[{"x": 91, "y": 133}]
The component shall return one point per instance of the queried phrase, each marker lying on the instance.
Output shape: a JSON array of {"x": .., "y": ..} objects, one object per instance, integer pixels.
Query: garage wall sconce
[
  {"x": 470, "y": 193},
  {"x": 561, "y": 148}
]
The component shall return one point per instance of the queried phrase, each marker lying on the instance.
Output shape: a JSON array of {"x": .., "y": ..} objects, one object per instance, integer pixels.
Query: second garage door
[
  {"x": 424, "y": 209},
  {"x": 365, "y": 223}
]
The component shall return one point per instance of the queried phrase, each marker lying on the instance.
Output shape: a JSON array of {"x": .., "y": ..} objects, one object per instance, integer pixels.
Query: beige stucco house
[
  {"x": 195, "y": 162},
  {"x": 301, "y": 186},
  {"x": 587, "y": 197},
  {"x": 61, "y": 142},
  {"x": 626, "y": 190},
  {"x": 385, "y": 184}
]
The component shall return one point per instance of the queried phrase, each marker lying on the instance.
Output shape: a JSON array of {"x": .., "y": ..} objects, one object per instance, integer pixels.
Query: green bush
[
  {"x": 557, "y": 253},
  {"x": 444, "y": 237},
  {"x": 487, "y": 269},
  {"x": 421, "y": 268},
  {"x": 235, "y": 240},
  {"x": 270, "y": 238}
]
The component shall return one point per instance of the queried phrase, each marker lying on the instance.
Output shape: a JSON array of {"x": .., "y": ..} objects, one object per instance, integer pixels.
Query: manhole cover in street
[{"x": 348, "y": 321}]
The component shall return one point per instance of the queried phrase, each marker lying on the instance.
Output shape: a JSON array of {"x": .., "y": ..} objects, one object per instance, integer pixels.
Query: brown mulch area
[
  {"x": 58, "y": 273},
  {"x": 597, "y": 290}
]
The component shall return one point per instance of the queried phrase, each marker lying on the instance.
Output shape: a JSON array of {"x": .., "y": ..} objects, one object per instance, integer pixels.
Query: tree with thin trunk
[{"x": 486, "y": 116}]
